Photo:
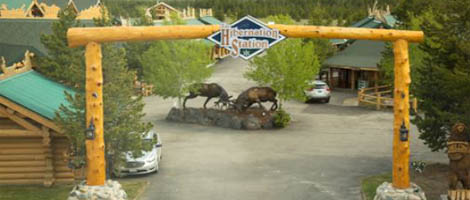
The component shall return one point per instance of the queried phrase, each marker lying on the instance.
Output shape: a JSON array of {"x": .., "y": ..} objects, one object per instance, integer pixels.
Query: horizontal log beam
[
  {"x": 22, "y": 169},
  {"x": 19, "y": 133},
  {"x": 21, "y": 163},
  {"x": 82, "y": 36},
  {"x": 22, "y": 157},
  {"x": 64, "y": 175},
  {"x": 331, "y": 32},
  {"x": 22, "y": 176},
  {"x": 22, "y": 151},
  {"x": 21, "y": 146}
]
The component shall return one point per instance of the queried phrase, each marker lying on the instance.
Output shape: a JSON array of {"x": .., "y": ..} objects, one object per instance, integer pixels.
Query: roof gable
[{"x": 35, "y": 92}]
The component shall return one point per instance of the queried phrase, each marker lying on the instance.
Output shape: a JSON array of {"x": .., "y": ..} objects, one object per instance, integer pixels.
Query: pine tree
[
  {"x": 123, "y": 128},
  {"x": 62, "y": 63},
  {"x": 444, "y": 81}
]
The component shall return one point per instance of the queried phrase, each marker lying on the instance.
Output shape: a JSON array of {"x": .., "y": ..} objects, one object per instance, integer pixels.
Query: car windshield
[{"x": 320, "y": 86}]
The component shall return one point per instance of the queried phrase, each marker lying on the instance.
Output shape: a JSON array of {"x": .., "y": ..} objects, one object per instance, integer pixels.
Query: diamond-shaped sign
[{"x": 246, "y": 37}]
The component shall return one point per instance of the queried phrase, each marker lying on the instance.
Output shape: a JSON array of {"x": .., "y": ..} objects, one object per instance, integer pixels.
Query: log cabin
[
  {"x": 32, "y": 148},
  {"x": 356, "y": 65}
]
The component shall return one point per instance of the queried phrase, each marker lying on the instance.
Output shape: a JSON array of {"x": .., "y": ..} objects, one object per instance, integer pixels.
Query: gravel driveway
[{"x": 321, "y": 155}]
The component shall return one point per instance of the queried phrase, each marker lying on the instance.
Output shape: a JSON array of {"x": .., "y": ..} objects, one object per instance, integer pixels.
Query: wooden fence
[{"x": 381, "y": 97}]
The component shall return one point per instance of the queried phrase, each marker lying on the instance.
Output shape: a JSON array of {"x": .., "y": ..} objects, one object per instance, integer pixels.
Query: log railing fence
[{"x": 381, "y": 97}]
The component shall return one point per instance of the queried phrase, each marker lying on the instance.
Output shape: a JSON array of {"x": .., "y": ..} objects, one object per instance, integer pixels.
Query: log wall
[
  {"x": 26, "y": 160},
  {"x": 22, "y": 160}
]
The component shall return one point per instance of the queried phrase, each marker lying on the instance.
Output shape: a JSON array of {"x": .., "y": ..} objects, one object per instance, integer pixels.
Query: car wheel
[{"x": 327, "y": 100}]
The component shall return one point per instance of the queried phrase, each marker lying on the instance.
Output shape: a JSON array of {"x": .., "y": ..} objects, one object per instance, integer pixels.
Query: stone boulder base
[
  {"x": 387, "y": 192},
  {"x": 252, "y": 119},
  {"x": 112, "y": 190}
]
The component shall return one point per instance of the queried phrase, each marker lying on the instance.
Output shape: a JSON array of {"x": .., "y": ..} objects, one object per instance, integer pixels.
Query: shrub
[{"x": 281, "y": 118}]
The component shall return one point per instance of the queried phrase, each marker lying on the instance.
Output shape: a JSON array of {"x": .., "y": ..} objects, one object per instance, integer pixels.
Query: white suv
[{"x": 318, "y": 90}]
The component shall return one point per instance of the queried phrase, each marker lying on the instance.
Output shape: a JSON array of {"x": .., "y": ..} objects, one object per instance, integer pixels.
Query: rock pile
[
  {"x": 387, "y": 192},
  {"x": 252, "y": 119},
  {"x": 112, "y": 190}
]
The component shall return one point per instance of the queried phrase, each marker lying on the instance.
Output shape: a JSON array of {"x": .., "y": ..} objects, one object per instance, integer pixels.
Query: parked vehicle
[
  {"x": 318, "y": 90},
  {"x": 147, "y": 163}
]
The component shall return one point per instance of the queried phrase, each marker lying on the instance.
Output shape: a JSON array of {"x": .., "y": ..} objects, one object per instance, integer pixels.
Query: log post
[
  {"x": 94, "y": 112},
  {"x": 378, "y": 101},
  {"x": 401, "y": 151}
]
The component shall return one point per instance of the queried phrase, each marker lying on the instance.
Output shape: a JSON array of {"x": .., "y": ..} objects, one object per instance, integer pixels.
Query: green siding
[
  {"x": 35, "y": 92},
  {"x": 16, "y": 3}
]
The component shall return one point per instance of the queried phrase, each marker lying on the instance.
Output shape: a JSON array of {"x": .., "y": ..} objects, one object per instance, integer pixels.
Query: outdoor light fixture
[
  {"x": 90, "y": 131},
  {"x": 403, "y": 132}
]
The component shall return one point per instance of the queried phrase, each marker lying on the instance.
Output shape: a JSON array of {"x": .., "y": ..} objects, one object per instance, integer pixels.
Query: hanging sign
[{"x": 246, "y": 37}]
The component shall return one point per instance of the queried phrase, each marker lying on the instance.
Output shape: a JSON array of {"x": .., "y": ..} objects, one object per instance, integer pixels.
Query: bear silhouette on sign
[{"x": 459, "y": 156}]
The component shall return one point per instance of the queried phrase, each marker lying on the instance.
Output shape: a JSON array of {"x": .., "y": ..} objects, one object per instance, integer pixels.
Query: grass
[
  {"x": 59, "y": 192},
  {"x": 369, "y": 184}
]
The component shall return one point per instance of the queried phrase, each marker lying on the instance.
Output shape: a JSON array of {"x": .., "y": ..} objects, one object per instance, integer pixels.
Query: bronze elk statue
[
  {"x": 209, "y": 90},
  {"x": 255, "y": 95}
]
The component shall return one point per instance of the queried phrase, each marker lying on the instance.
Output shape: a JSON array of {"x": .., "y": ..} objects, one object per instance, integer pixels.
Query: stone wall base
[
  {"x": 387, "y": 192},
  {"x": 112, "y": 190}
]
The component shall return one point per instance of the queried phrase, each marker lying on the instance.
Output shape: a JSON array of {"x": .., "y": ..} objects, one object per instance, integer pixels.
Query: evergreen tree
[
  {"x": 123, "y": 128},
  {"x": 444, "y": 82},
  {"x": 62, "y": 63}
]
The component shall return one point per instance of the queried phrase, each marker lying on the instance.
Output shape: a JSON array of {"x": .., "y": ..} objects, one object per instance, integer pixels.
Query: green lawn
[
  {"x": 58, "y": 192},
  {"x": 369, "y": 184}
]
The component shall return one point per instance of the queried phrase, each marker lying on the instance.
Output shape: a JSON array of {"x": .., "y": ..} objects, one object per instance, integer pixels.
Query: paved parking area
[{"x": 322, "y": 155}]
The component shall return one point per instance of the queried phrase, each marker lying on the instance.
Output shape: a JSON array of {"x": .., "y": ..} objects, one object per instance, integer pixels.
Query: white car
[
  {"x": 147, "y": 163},
  {"x": 318, "y": 90}
]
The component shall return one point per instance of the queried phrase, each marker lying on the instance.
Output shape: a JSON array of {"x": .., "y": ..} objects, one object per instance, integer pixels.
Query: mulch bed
[{"x": 433, "y": 180}]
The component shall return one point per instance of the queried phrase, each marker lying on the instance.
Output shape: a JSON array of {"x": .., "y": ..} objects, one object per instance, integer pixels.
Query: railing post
[{"x": 378, "y": 101}]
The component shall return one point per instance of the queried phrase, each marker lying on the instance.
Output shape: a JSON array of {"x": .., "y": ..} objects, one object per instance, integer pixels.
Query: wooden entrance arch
[{"x": 92, "y": 37}]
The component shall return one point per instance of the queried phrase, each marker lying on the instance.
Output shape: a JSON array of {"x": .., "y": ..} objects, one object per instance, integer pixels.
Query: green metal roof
[
  {"x": 193, "y": 22},
  {"x": 187, "y": 21},
  {"x": 19, "y": 35},
  {"x": 85, "y": 4},
  {"x": 16, "y": 3},
  {"x": 360, "y": 54},
  {"x": 368, "y": 22},
  {"x": 81, "y": 4},
  {"x": 35, "y": 92},
  {"x": 59, "y": 3},
  {"x": 210, "y": 20}
]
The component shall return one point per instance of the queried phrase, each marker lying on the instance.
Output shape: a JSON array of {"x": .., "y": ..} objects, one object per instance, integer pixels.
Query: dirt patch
[{"x": 433, "y": 180}]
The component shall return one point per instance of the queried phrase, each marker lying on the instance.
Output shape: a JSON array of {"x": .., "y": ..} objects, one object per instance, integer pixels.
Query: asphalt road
[{"x": 322, "y": 155}]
